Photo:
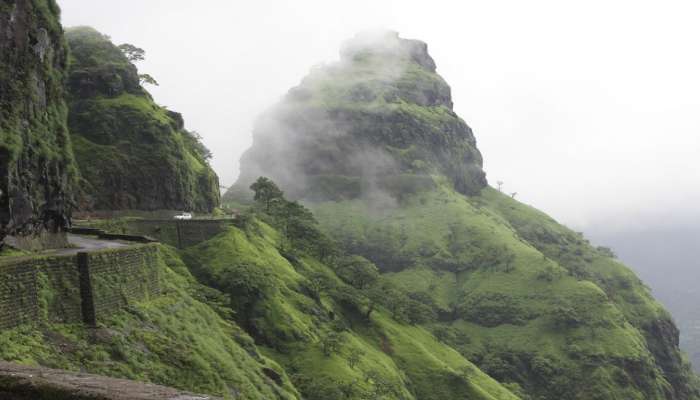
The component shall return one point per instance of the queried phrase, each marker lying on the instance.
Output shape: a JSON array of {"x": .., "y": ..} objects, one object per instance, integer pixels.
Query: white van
[{"x": 183, "y": 216}]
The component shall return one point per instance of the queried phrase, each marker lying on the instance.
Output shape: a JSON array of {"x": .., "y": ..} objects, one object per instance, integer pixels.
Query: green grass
[
  {"x": 140, "y": 103},
  {"x": 290, "y": 326}
]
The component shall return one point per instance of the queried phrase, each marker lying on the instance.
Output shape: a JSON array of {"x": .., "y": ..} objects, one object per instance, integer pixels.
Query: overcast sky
[{"x": 589, "y": 110}]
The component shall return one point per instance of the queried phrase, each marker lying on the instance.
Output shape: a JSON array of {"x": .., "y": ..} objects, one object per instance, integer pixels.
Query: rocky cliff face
[
  {"x": 36, "y": 164},
  {"x": 381, "y": 117},
  {"x": 132, "y": 153}
]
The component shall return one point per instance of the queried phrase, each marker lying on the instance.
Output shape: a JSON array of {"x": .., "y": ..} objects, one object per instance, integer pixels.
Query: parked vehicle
[{"x": 183, "y": 215}]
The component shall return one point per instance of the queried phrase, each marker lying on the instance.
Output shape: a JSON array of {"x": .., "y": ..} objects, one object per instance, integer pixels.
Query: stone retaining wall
[
  {"x": 179, "y": 233},
  {"x": 74, "y": 288}
]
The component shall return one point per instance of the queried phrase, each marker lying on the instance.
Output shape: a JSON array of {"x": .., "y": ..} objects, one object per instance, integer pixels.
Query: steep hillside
[
  {"x": 36, "y": 163},
  {"x": 663, "y": 254},
  {"x": 337, "y": 339},
  {"x": 372, "y": 146},
  {"x": 132, "y": 153}
]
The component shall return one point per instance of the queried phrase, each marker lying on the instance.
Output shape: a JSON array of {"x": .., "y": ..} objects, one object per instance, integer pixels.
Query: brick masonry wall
[
  {"x": 58, "y": 290},
  {"x": 197, "y": 231},
  {"x": 163, "y": 230},
  {"x": 123, "y": 276},
  {"x": 180, "y": 234},
  {"x": 18, "y": 294}
]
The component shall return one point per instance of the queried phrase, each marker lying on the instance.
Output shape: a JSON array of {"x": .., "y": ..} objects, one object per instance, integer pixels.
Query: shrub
[
  {"x": 493, "y": 309},
  {"x": 358, "y": 271},
  {"x": 330, "y": 344}
]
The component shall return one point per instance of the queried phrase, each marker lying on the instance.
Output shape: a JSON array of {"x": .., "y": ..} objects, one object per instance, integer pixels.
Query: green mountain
[
  {"x": 399, "y": 276},
  {"x": 36, "y": 162},
  {"x": 371, "y": 144},
  {"x": 367, "y": 123},
  {"x": 132, "y": 153}
]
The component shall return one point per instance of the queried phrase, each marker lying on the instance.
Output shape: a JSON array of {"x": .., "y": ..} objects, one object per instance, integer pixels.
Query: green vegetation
[
  {"x": 337, "y": 328},
  {"x": 530, "y": 302},
  {"x": 132, "y": 153}
]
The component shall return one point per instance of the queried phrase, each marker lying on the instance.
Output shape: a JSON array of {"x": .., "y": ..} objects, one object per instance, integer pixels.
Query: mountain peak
[
  {"x": 387, "y": 45},
  {"x": 380, "y": 118}
]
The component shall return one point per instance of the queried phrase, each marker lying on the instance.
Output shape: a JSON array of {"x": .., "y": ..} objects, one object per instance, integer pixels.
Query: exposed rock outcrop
[
  {"x": 36, "y": 163},
  {"x": 380, "y": 117}
]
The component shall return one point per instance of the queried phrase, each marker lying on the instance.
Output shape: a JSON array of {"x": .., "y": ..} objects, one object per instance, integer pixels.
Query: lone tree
[
  {"x": 355, "y": 357},
  {"x": 358, "y": 271},
  {"x": 266, "y": 192},
  {"x": 135, "y": 54},
  {"x": 500, "y": 185},
  {"x": 132, "y": 52},
  {"x": 146, "y": 78}
]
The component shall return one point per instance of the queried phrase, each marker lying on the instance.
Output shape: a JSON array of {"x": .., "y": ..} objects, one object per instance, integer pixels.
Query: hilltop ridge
[{"x": 379, "y": 118}]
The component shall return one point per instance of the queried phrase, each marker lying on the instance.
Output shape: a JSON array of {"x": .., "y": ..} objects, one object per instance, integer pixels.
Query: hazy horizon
[{"x": 587, "y": 112}]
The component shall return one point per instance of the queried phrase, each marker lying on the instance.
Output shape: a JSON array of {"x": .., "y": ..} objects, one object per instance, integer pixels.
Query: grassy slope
[
  {"x": 513, "y": 309},
  {"x": 291, "y": 327},
  {"x": 173, "y": 340}
]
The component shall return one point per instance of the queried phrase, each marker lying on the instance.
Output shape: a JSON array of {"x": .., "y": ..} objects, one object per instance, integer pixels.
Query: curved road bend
[{"x": 86, "y": 243}]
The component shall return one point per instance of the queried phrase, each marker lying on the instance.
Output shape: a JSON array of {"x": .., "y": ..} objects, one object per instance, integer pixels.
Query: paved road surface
[{"x": 87, "y": 243}]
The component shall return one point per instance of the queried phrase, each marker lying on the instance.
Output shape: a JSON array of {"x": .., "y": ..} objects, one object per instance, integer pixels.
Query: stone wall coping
[
  {"x": 186, "y": 221},
  {"x": 31, "y": 382},
  {"x": 12, "y": 261},
  {"x": 120, "y": 249}
]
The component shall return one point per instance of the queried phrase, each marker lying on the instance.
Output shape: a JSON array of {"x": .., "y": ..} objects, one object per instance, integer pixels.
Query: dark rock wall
[{"x": 36, "y": 163}]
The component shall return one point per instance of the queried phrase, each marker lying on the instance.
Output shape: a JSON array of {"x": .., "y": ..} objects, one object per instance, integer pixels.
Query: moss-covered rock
[
  {"x": 132, "y": 153},
  {"x": 36, "y": 163}
]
